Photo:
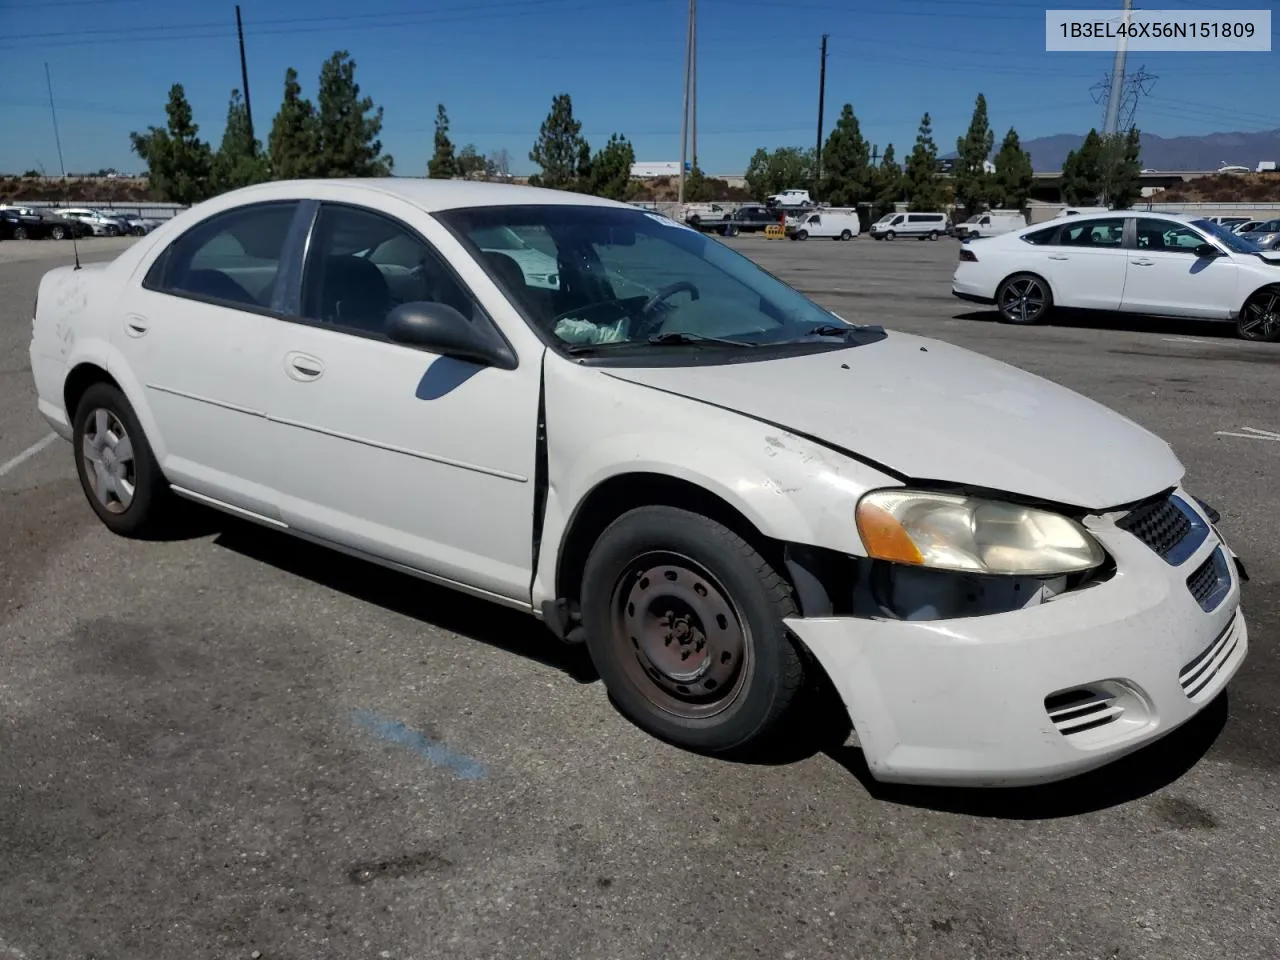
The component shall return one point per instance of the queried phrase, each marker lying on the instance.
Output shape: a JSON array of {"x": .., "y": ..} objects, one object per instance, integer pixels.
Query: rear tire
[
  {"x": 118, "y": 471},
  {"x": 1023, "y": 299},
  {"x": 684, "y": 622},
  {"x": 846, "y": 235},
  {"x": 933, "y": 234}
]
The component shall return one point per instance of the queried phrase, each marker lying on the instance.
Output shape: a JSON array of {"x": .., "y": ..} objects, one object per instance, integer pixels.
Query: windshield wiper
[
  {"x": 830, "y": 330},
  {"x": 663, "y": 339}
]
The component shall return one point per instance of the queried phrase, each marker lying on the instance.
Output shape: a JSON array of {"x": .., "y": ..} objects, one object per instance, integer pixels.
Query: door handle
[
  {"x": 1143, "y": 263},
  {"x": 136, "y": 326},
  {"x": 302, "y": 366},
  {"x": 1058, "y": 256}
]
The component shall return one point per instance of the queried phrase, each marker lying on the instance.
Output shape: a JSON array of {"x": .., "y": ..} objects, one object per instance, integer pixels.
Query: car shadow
[
  {"x": 1128, "y": 322},
  {"x": 819, "y": 725},
  {"x": 1130, "y": 778},
  {"x": 451, "y": 610}
]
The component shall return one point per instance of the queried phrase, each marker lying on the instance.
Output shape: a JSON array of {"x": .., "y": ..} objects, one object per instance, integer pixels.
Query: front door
[
  {"x": 1167, "y": 277},
  {"x": 195, "y": 333},
  {"x": 1086, "y": 264},
  {"x": 392, "y": 450}
]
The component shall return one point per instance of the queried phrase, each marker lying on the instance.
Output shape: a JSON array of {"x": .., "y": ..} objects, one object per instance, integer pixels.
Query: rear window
[{"x": 1040, "y": 237}]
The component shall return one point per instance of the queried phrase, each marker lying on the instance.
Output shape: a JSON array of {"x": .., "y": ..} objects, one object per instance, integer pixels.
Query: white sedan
[
  {"x": 723, "y": 489},
  {"x": 1131, "y": 261}
]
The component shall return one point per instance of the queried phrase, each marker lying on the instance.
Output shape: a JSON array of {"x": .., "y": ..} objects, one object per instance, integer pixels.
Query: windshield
[
  {"x": 625, "y": 277},
  {"x": 1233, "y": 241},
  {"x": 974, "y": 219}
]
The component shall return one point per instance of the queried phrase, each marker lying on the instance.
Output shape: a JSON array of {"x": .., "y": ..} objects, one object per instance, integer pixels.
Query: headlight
[{"x": 965, "y": 533}]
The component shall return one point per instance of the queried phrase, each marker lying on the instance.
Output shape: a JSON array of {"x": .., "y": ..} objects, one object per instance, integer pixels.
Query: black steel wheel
[
  {"x": 1024, "y": 299},
  {"x": 1260, "y": 317},
  {"x": 684, "y": 622}
]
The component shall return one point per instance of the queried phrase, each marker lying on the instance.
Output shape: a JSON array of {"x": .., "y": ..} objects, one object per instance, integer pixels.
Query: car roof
[{"x": 428, "y": 195}]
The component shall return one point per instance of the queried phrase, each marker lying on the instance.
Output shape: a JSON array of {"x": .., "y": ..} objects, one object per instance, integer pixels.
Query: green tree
[
  {"x": 1120, "y": 169},
  {"x": 471, "y": 164},
  {"x": 846, "y": 163},
  {"x": 923, "y": 187},
  {"x": 889, "y": 183},
  {"x": 179, "y": 163},
  {"x": 561, "y": 150},
  {"x": 1013, "y": 177},
  {"x": 348, "y": 124},
  {"x": 295, "y": 136},
  {"x": 699, "y": 188},
  {"x": 1082, "y": 173},
  {"x": 611, "y": 170},
  {"x": 443, "y": 165},
  {"x": 784, "y": 168},
  {"x": 973, "y": 183},
  {"x": 239, "y": 160}
]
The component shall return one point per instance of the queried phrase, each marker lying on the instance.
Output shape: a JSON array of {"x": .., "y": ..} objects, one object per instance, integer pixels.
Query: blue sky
[{"x": 496, "y": 64}]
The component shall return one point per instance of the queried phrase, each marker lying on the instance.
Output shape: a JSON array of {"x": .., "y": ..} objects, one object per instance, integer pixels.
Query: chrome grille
[
  {"x": 1168, "y": 526},
  {"x": 1197, "y": 676}
]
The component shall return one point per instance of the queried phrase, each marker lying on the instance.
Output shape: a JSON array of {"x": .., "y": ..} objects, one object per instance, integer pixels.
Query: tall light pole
[
  {"x": 1112, "y": 119},
  {"x": 688, "y": 81},
  {"x": 822, "y": 97}
]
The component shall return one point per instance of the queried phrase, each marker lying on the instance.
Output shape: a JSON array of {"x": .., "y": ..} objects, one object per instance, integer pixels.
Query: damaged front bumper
[{"x": 1045, "y": 692}]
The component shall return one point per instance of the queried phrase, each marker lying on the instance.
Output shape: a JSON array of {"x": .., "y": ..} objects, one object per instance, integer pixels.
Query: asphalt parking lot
[{"x": 234, "y": 745}]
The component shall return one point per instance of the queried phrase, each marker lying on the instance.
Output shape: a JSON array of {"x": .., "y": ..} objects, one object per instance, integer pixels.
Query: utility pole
[
  {"x": 822, "y": 96},
  {"x": 56, "y": 137},
  {"x": 1111, "y": 121},
  {"x": 244, "y": 76},
  {"x": 684, "y": 115},
  {"x": 693, "y": 60}
]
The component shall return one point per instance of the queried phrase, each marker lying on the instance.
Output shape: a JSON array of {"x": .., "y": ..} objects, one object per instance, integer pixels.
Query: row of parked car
[{"x": 28, "y": 223}]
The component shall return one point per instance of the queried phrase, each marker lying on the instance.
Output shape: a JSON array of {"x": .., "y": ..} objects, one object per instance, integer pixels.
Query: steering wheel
[{"x": 669, "y": 290}]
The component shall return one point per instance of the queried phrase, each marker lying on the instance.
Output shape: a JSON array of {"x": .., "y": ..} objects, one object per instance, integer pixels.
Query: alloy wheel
[
  {"x": 1023, "y": 300},
  {"x": 1260, "y": 318}
]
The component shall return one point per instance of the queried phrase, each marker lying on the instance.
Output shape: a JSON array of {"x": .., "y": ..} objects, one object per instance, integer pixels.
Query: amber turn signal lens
[{"x": 883, "y": 535}]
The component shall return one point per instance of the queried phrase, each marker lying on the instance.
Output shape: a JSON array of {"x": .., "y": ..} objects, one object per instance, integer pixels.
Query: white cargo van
[
  {"x": 919, "y": 225},
  {"x": 991, "y": 224},
  {"x": 836, "y": 224}
]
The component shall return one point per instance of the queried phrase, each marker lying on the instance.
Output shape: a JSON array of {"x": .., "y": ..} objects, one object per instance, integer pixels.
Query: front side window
[
  {"x": 626, "y": 278},
  {"x": 1231, "y": 240},
  {"x": 1167, "y": 236},
  {"x": 361, "y": 265},
  {"x": 233, "y": 257}
]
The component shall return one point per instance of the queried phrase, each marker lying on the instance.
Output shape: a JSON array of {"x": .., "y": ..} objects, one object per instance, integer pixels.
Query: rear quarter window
[{"x": 1040, "y": 238}]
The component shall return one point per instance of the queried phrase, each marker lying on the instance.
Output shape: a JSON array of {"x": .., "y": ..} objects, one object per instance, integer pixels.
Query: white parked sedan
[
  {"x": 722, "y": 488},
  {"x": 1125, "y": 260}
]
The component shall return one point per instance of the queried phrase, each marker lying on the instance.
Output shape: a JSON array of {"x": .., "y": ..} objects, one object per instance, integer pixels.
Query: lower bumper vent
[
  {"x": 1197, "y": 676},
  {"x": 1081, "y": 709}
]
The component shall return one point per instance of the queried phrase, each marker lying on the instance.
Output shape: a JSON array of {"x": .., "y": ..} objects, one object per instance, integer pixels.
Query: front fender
[{"x": 598, "y": 427}]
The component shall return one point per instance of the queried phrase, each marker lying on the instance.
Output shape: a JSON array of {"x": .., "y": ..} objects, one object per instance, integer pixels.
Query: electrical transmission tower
[{"x": 1132, "y": 88}]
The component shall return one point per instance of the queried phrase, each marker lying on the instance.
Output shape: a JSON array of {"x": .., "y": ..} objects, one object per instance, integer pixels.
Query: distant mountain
[{"x": 1207, "y": 152}]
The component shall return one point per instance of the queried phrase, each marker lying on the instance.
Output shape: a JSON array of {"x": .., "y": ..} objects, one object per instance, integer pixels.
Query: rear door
[
  {"x": 196, "y": 335},
  {"x": 1086, "y": 264}
]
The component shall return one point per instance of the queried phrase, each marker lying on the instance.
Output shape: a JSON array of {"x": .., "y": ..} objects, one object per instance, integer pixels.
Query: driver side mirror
[
  {"x": 441, "y": 329},
  {"x": 1207, "y": 251}
]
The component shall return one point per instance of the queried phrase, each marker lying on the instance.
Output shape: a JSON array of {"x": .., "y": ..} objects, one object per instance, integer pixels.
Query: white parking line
[
  {"x": 1251, "y": 433},
  {"x": 27, "y": 454},
  {"x": 1201, "y": 341}
]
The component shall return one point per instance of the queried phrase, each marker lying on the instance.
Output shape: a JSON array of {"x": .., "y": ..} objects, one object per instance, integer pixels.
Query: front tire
[
  {"x": 1259, "y": 319},
  {"x": 19, "y": 233},
  {"x": 802, "y": 234},
  {"x": 1023, "y": 299},
  {"x": 684, "y": 623},
  {"x": 889, "y": 235},
  {"x": 117, "y": 469}
]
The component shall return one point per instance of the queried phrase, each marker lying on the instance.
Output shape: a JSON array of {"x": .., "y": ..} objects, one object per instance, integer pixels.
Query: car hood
[{"x": 927, "y": 410}]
